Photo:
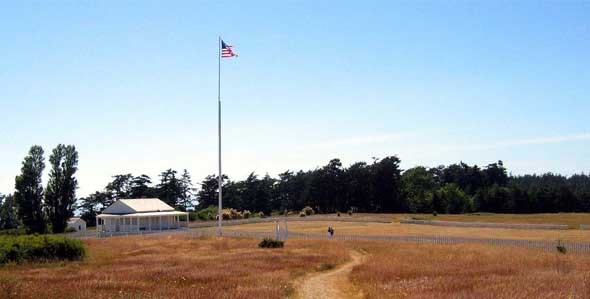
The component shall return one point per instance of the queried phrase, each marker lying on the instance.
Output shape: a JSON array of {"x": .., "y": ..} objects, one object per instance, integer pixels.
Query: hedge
[{"x": 40, "y": 248}]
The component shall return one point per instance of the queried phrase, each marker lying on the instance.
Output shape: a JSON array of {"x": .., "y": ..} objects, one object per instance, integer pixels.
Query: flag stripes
[{"x": 227, "y": 50}]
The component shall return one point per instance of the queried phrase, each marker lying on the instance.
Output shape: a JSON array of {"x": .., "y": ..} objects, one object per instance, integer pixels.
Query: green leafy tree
[
  {"x": 417, "y": 182},
  {"x": 358, "y": 188},
  {"x": 92, "y": 205},
  {"x": 455, "y": 200},
  {"x": 290, "y": 190},
  {"x": 29, "y": 191},
  {"x": 387, "y": 185},
  {"x": 60, "y": 194},
  {"x": 495, "y": 199},
  {"x": 186, "y": 198},
  {"x": 232, "y": 195},
  {"x": 208, "y": 195},
  {"x": 169, "y": 188},
  {"x": 120, "y": 187},
  {"x": 8, "y": 212},
  {"x": 139, "y": 187},
  {"x": 495, "y": 174}
]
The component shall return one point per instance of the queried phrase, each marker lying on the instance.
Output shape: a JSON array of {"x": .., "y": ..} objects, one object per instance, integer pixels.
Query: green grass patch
[
  {"x": 13, "y": 232},
  {"x": 39, "y": 248}
]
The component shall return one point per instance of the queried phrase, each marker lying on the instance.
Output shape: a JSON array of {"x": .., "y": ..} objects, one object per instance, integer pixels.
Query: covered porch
[{"x": 137, "y": 223}]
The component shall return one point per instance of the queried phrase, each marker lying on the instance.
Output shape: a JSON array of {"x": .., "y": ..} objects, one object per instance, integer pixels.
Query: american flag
[{"x": 226, "y": 50}]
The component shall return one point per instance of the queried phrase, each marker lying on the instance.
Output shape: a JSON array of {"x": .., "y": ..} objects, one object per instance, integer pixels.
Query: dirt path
[{"x": 331, "y": 284}]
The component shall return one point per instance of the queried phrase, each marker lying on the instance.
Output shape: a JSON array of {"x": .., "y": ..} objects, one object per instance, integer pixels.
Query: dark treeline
[{"x": 380, "y": 186}]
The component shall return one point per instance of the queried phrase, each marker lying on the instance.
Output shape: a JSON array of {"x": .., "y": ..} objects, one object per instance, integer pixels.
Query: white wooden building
[
  {"x": 77, "y": 223},
  {"x": 127, "y": 216}
]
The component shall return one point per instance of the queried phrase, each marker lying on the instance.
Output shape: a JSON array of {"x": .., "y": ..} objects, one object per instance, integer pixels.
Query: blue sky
[{"x": 133, "y": 84}]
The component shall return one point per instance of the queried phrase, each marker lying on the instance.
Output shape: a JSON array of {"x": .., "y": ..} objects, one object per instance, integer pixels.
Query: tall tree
[
  {"x": 417, "y": 183},
  {"x": 358, "y": 188},
  {"x": 8, "y": 212},
  {"x": 387, "y": 187},
  {"x": 29, "y": 191},
  {"x": 140, "y": 187},
  {"x": 495, "y": 174},
  {"x": 208, "y": 194},
  {"x": 290, "y": 190},
  {"x": 60, "y": 195},
  {"x": 120, "y": 187},
  {"x": 169, "y": 188},
  {"x": 455, "y": 199},
  {"x": 92, "y": 205},
  {"x": 186, "y": 190}
]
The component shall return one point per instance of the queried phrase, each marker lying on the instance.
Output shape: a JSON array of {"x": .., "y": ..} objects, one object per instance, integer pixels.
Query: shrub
[
  {"x": 434, "y": 213},
  {"x": 561, "y": 248},
  {"x": 209, "y": 213},
  {"x": 338, "y": 214},
  {"x": 308, "y": 211},
  {"x": 349, "y": 212},
  {"x": 233, "y": 213},
  {"x": 39, "y": 248},
  {"x": 270, "y": 243},
  {"x": 261, "y": 214},
  {"x": 69, "y": 230},
  {"x": 301, "y": 214},
  {"x": 225, "y": 214},
  {"x": 13, "y": 232},
  {"x": 246, "y": 214},
  {"x": 325, "y": 267}
]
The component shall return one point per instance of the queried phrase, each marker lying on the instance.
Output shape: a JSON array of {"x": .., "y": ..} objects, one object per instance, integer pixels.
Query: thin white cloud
[
  {"x": 518, "y": 142},
  {"x": 352, "y": 141}
]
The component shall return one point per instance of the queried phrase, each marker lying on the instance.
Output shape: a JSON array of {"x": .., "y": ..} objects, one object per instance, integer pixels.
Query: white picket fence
[
  {"x": 485, "y": 224},
  {"x": 546, "y": 245},
  {"x": 290, "y": 219}
]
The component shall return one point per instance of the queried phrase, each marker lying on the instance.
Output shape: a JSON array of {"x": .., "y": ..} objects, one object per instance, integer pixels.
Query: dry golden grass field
[
  {"x": 208, "y": 267},
  {"x": 573, "y": 220},
  {"x": 396, "y": 228},
  {"x": 469, "y": 271},
  {"x": 171, "y": 267}
]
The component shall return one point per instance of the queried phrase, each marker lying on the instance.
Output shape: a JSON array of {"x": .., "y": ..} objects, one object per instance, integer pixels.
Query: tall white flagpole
[{"x": 220, "y": 182}]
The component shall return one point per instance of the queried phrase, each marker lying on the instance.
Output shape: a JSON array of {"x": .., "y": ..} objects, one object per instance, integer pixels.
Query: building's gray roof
[{"x": 139, "y": 205}]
